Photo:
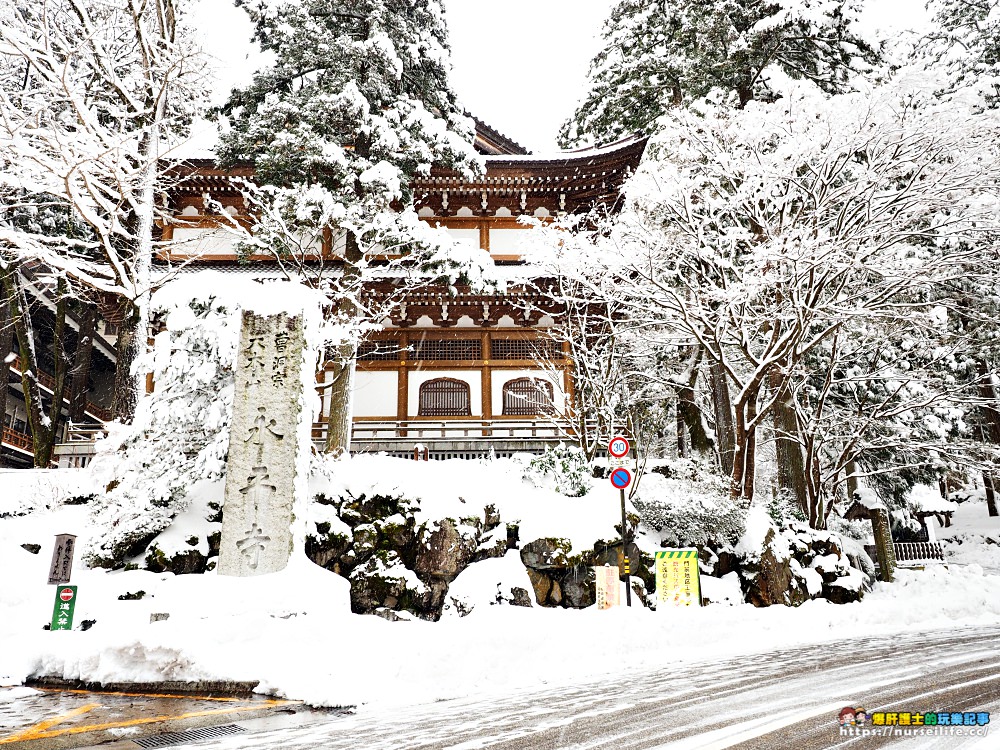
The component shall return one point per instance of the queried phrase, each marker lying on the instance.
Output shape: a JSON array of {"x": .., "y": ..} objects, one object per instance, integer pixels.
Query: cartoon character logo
[
  {"x": 860, "y": 717},
  {"x": 847, "y": 717}
]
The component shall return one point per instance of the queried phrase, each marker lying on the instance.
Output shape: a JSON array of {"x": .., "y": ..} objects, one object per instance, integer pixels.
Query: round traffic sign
[
  {"x": 621, "y": 478},
  {"x": 618, "y": 447},
  {"x": 66, "y": 594}
]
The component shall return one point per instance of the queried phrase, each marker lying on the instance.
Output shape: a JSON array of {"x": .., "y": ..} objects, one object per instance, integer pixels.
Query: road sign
[
  {"x": 62, "y": 613},
  {"x": 61, "y": 567},
  {"x": 618, "y": 447},
  {"x": 621, "y": 478}
]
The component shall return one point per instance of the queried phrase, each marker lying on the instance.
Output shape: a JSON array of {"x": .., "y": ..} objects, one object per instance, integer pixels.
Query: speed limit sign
[{"x": 618, "y": 447}]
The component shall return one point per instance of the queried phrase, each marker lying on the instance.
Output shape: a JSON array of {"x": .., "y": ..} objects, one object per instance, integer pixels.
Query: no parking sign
[{"x": 621, "y": 478}]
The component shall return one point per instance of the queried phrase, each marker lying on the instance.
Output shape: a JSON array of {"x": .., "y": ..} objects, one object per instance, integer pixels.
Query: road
[{"x": 776, "y": 700}]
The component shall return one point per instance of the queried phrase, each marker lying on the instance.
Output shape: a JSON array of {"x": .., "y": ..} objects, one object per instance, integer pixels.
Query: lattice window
[
  {"x": 378, "y": 351},
  {"x": 444, "y": 397},
  {"x": 448, "y": 349},
  {"x": 527, "y": 397},
  {"x": 533, "y": 349}
]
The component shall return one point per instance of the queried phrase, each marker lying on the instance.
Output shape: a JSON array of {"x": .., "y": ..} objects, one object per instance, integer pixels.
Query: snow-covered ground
[
  {"x": 295, "y": 633},
  {"x": 973, "y": 537}
]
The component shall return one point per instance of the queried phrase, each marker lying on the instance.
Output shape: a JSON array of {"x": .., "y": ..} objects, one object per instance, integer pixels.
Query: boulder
[{"x": 446, "y": 551}]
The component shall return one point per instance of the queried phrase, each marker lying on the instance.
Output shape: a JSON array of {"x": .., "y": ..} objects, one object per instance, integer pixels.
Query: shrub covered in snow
[
  {"x": 180, "y": 434},
  {"x": 563, "y": 469},
  {"x": 687, "y": 505}
]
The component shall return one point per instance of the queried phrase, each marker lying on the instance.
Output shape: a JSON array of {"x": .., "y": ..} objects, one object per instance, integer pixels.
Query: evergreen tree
[
  {"x": 661, "y": 53},
  {"x": 355, "y": 105},
  {"x": 965, "y": 46}
]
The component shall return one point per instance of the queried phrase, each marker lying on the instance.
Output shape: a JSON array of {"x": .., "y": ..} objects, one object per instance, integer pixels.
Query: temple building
[{"x": 452, "y": 372}]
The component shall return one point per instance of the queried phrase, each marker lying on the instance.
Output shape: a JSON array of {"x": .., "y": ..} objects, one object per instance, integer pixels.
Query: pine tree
[
  {"x": 661, "y": 53},
  {"x": 355, "y": 105},
  {"x": 965, "y": 45}
]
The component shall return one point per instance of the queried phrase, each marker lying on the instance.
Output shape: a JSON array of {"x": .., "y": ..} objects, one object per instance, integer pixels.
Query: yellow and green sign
[
  {"x": 62, "y": 613},
  {"x": 677, "y": 582}
]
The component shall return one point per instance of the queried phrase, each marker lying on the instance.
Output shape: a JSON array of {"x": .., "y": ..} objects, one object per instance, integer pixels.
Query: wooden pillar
[
  {"x": 403, "y": 382},
  {"x": 883, "y": 544},
  {"x": 486, "y": 383},
  {"x": 484, "y": 236}
]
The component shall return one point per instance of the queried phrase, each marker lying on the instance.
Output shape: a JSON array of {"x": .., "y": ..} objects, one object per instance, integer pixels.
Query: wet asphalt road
[{"x": 785, "y": 699}]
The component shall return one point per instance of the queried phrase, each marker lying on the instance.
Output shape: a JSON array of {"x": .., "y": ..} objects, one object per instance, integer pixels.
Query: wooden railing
[
  {"x": 17, "y": 439},
  {"x": 408, "y": 432},
  {"x": 49, "y": 382},
  {"x": 912, "y": 551}
]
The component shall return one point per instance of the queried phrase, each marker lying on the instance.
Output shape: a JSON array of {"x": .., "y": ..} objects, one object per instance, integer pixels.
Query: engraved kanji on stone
[
  {"x": 252, "y": 545},
  {"x": 280, "y": 366},
  {"x": 261, "y": 427},
  {"x": 257, "y": 489},
  {"x": 255, "y": 353}
]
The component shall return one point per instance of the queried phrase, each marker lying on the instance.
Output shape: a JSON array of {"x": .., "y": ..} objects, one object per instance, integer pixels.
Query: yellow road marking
[
  {"x": 35, "y": 735},
  {"x": 43, "y": 725}
]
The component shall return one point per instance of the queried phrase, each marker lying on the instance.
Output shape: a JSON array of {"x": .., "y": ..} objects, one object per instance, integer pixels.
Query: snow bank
[
  {"x": 295, "y": 633},
  {"x": 461, "y": 488}
]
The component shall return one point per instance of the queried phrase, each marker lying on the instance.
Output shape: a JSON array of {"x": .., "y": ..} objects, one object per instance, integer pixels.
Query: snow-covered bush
[
  {"x": 563, "y": 469},
  {"x": 180, "y": 434},
  {"x": 687, "y": 505}
]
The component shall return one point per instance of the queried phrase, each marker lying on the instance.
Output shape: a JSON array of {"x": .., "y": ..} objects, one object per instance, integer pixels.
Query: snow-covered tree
[
  {"x": 356, "y": 103},
  {"x": 90, "y": 92},
  {"x": 180, "y": 434},
  {"x": 40, "y": 302},
  {"x": 964, "y": 45},
  {"x": 665, "y": 52},
  {"x": 760, "y": 235}
]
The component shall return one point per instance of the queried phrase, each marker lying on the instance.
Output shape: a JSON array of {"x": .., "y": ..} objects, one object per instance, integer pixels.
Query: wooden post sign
[
  {"x": 608, "y": 586},
  {"x": 677, "y": 581},
  {"x": 61, "y": 567}
]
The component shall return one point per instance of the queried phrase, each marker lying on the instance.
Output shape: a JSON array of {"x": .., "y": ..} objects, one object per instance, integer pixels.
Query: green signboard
[{"x": 62, "y": 612}]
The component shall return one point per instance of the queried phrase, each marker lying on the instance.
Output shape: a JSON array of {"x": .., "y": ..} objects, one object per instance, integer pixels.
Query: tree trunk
[
  {"x": 725, "y": 437},
  {"x": 338, "y": 422},
  {"x": 41, "y": 425},
  {"x": 745, "y": 456},
  {"x": 43, "y": 455},
  {"x": 80, "y": 371},
  {"x": 991, "y": 497},
  {"x": 689, "y": 415},
  {"x": 992, "y": 417},
  {"x": 6, "y": 347},
  {"x": 691, "y": 433},
  {"x": 127, "y": 350},
  {"x": 852, "y": 481},
  {"x": 787, "y": 447}
]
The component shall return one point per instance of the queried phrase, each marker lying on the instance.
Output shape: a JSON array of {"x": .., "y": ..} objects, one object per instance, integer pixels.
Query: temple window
[
  {"x": 527, "y": 397},
  {"x": 444, "y": 397}
]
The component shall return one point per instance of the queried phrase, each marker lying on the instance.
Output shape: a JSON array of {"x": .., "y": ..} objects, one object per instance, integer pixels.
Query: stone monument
[{"x": 263, "y": 447}]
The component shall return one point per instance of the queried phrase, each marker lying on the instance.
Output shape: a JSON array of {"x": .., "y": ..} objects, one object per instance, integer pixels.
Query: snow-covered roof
[{"x": 926, "y": 499}]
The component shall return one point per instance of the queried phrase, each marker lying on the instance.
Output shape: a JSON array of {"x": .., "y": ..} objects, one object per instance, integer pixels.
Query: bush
[
  {"x": 564, "y": 469},
  {"x": 688, "y": 506}
]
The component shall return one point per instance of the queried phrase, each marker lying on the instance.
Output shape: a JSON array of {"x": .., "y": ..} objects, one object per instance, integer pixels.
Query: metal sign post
[
  {"x": 622, "y": 478},
  {"x": 62, "y": 612}
]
